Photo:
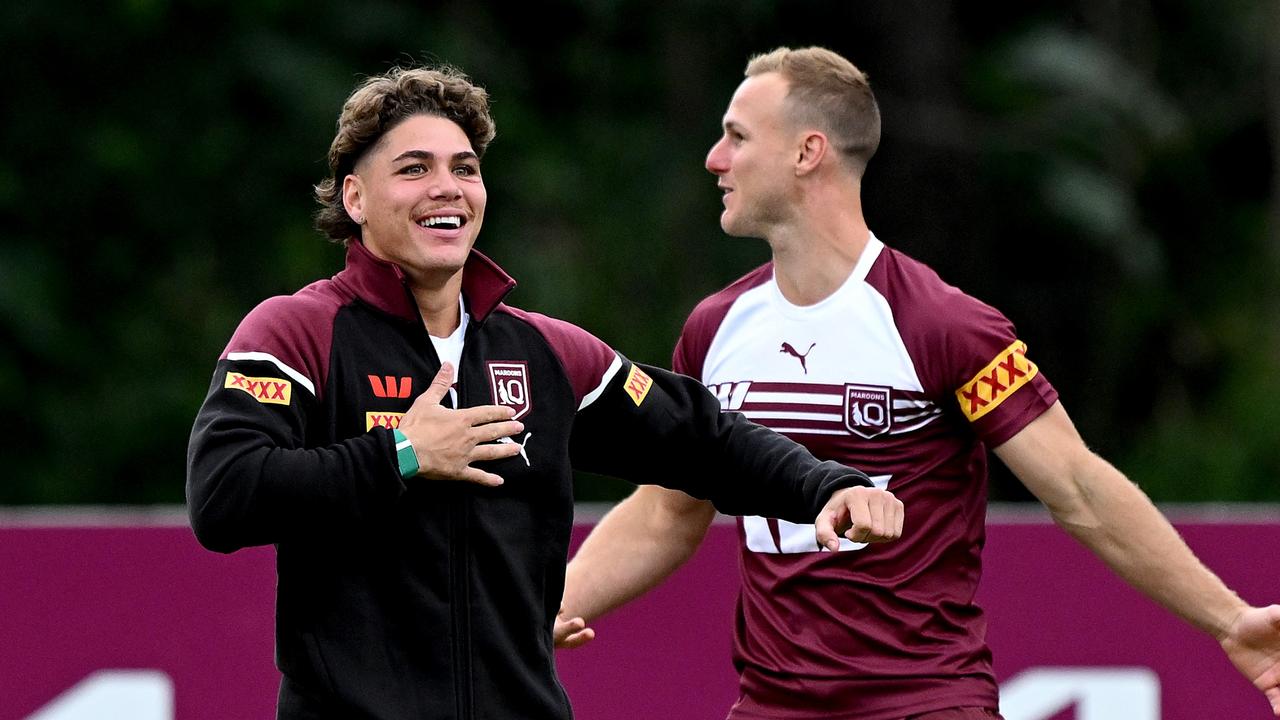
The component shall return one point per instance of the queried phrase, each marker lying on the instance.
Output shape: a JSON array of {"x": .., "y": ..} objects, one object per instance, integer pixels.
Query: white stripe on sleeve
[
  {"x": 608, "y": 375},
  {"x": 268, "y": 357}
]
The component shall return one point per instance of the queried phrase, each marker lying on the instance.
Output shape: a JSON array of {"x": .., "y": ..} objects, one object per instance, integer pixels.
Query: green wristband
[{"x": 405, "y": 456}]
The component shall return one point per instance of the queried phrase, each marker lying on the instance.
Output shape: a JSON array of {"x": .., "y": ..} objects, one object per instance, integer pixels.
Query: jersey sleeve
[
  {"x": 988, "y": 373},
  {"x": 254, "y": 476},
  {"x": 653, "y": 426}
]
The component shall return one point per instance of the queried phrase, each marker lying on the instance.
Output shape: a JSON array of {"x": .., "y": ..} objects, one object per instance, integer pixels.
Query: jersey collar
[{"x": 382, "y": 284}]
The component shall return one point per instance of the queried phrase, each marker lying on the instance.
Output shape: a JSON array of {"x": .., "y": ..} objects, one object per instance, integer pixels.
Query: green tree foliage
[{"x": 1106, "y": 174}]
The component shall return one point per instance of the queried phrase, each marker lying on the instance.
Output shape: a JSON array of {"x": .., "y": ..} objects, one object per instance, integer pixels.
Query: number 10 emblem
[
  {"x": 867, "y": 409},
  {"x": 509, "y": 385}
]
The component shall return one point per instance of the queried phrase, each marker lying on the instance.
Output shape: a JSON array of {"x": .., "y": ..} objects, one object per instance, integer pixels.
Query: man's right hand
[{"x": 447, "y": 441}]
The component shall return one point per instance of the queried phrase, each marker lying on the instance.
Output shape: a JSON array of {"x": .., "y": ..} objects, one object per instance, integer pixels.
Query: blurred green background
[{"x": 1105, "y": 172}]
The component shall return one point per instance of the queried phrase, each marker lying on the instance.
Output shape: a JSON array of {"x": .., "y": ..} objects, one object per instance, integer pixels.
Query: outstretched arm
[
  {"x": 1111, "y": 516},
  {"x": 676, "y": 436},
  {"x": 649, "y": 535}
]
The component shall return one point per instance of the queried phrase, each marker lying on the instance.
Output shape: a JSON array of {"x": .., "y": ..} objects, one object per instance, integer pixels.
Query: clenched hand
[{"x": 862, "y": 514}]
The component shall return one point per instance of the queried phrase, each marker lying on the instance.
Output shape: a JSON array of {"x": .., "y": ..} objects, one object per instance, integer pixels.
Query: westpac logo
[
  {"x": 263, "y": 389},
  {"x": 731, "y": 394},
  {"x": 389, "y": 420},
  {"x": 997, "y": 381},
  {"x": 387, "y": 387}
]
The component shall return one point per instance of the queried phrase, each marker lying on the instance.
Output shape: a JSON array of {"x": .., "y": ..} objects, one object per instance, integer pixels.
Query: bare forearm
[
  {"x": 1098, "y": 505},
  {"x": 1118, "y": 522},
  {"x": 636, "y": 546}
]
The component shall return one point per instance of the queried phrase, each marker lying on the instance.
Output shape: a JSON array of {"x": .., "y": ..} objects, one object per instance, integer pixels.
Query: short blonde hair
[{"x": 830, "y": 94}]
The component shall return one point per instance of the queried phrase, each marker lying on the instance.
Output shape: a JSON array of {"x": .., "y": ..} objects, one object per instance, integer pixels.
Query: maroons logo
[
  {"x": 867, "y": 409},
  {"x": 509, "y": 385}
]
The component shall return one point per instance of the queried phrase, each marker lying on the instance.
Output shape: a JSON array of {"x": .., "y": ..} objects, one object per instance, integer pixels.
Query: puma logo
[
  {"x": 786, "y": 348},
  {"x": 523, "y": 454}
]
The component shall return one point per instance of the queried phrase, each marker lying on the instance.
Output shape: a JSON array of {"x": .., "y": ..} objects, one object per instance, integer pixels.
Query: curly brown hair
[{"x": 379, "y": 104}]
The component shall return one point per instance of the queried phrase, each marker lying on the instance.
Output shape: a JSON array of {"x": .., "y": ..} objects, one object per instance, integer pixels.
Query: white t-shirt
[{"x": 449, "y": 349}]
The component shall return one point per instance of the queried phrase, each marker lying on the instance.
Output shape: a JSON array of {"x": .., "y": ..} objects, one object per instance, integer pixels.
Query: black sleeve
[
  {"x": 252, "y": 480},
  {"x": 652, "y": 426}
]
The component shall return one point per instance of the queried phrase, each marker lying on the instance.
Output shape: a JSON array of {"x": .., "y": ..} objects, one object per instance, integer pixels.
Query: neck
[
  {"x": 439, "y": 303},
  {"x": 814, "y": 256}
]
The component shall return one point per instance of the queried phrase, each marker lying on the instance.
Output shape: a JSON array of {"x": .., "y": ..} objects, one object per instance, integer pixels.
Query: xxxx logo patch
[
  {"x": 637, "y": 384},
  {"x": 263, "y": 389},
  {"x": 996, "y": 382},
  {"x": 389, "y": 420}
]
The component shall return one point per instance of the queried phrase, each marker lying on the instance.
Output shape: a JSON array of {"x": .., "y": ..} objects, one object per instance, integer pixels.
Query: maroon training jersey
[{"x": 906, "y": 378}]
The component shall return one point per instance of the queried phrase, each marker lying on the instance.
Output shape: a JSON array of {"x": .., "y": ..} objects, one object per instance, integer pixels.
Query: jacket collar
[{"x": 382, "y": 284}]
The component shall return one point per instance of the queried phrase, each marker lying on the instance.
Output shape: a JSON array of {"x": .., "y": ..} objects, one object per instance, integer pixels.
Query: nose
[
  {"x": 718, "y": 158},
  {"x": 444, "y": 186}
]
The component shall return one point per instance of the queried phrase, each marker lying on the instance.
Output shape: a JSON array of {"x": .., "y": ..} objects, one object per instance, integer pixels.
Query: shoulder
[
  {"x": 287, "y": 319},
  {"x": 584, "y": 357},
  {"x": 712, "y": 309},
  {"x": 931, "y": 315},
  {"x": 702, "y": 324},
  {"x": 292, "y": 331},
  {"x": 916, "y": 292},
  {"x": 963, "y": 348}
]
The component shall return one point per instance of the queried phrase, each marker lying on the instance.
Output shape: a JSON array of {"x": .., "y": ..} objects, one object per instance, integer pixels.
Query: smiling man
[{"x": 337, "y": 416}]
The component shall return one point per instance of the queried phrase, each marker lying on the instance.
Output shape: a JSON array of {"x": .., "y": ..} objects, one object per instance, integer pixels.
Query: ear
[
  {"x": 353, "y": 198},
  {"x": 813, "y": 148}
]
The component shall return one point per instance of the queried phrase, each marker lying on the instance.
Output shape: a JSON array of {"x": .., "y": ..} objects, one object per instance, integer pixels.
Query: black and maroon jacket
[{"x": 433, "y": 599}]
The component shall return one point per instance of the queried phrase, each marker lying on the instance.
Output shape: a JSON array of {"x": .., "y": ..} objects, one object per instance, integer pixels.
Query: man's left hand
[{"x": 1253, "y": 644}]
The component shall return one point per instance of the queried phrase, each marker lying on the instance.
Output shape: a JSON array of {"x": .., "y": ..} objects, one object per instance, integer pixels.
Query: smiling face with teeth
[{"x": 419, "y": 194}]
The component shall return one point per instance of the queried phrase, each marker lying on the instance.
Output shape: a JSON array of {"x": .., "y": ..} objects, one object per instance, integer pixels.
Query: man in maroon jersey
[{"x": 907, "y": 378}]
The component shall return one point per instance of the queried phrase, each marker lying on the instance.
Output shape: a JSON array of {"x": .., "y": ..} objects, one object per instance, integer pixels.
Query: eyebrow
[{"x": 429, "y": 156}]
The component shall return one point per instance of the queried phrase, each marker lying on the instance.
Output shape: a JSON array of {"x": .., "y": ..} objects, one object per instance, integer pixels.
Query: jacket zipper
[
  {"x": 461, "y": 607},
  {"x": 459, "y": 555}
]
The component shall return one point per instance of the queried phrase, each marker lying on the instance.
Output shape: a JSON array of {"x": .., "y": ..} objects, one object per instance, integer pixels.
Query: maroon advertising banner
[{"x": 125, "y": 616}]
